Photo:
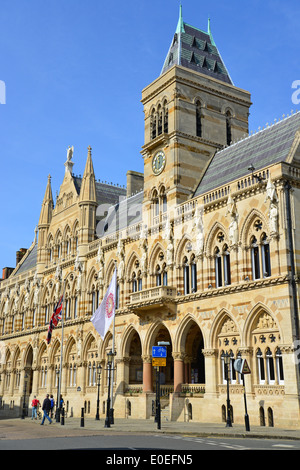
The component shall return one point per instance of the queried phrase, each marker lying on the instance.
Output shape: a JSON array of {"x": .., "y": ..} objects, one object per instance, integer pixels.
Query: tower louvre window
[
  {"x": 198, "y": 119},
  {"x": 228, "y": 128}
]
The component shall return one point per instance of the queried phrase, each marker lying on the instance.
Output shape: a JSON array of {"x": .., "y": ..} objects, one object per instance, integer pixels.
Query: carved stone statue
[
  {"x": 273, "y": 218},
  {"x": 271, "y": 196},
  {"x": 199, "y": 230},
  {"x": 234, "y": 217},
  {"x": 78, "y": 267},
  {"x": 70, "y": 152},
  {"x": 144, "y": 247},
  {"x": 121, "y": 256},
  {"x": 100, "y": 261}
]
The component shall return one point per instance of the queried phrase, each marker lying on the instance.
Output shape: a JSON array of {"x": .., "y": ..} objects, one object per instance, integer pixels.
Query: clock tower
[{"x": 191, "y": 110}]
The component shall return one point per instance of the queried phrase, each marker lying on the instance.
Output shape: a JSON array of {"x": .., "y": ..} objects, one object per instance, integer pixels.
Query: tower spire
[
  {"x": 180, "y": 26},
  {"x": 47, "y": 205},
  {"x": 88, "y": 187}
]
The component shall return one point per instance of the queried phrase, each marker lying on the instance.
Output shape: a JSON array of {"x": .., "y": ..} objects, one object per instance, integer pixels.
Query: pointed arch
[
  {"x": 252, "y": 318},
  {"x": 71, "y": 341},
  {"x": 180, "y": 248},
  {"x": 153, "y": 256},
  {"x": 126, "y": 338},
  {"x": 217, "y": 227},
  {"x": 150, "y": 337},
  {"x": 248, "y": 223},
  {"x": 181, "y": 331},
  {"x": 130, "y": 263},
  {"x": 89, "y": 339},
  {"x": 219, "y": 321},
  {"x": 16, "y": 354},
  {"x": 109, "y": 272}
]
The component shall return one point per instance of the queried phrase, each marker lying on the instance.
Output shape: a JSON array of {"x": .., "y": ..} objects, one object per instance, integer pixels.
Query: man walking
[{"x": 46, "y": 409}]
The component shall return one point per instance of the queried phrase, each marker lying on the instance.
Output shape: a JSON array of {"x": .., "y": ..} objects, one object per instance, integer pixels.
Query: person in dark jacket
[{"x": 46, "y": 409}]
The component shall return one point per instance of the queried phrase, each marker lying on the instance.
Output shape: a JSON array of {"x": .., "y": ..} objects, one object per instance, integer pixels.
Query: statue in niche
[
  {"x": 271, "y": 195},
  {"x": 17, "y": 298},
  {"x": 78, "y": 267},
  {"x": 144, "y": 247},
  {"x": 168, "y": 235},
  {"x": 121, "y": 256},
  {"x": 58, "y": 278},
  {"x": 36, "y": 285},
  {"x": 199, "y": 230},
  {"x": 234, "y": 217},
  {"x": 100, "y": 261}
]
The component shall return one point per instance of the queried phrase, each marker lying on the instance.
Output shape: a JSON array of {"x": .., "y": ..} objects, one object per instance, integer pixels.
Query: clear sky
[{"x": 74, "y": 71}]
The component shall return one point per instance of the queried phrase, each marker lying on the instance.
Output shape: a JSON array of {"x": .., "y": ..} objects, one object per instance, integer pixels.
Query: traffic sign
[
  {"x": 241, "y": 366},
  {"x": 159, "y": 351},
  {"x": 159, "y": 361}
]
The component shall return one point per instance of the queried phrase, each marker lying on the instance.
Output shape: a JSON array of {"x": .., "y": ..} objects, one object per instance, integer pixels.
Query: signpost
[
  {"x": 159, "y": 359},
  {"x": 241, "y": 366}
]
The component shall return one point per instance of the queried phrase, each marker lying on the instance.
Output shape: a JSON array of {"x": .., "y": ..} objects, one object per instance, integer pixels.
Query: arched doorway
[
  {"x": 136, "y": 363},
  {"x": 192, "y": 343},
  {"x": 28, "y": 376}
]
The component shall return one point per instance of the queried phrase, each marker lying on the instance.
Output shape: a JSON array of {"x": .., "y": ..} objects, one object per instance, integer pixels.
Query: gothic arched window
[
  {"x": 228, "y": 128},
  {"x": 198, "y": 119}
]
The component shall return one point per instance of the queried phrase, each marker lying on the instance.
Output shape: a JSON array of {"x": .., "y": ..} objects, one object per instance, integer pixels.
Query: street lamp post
[
  {"x": 24, "y": 404},
  {"x": 98, "y": 385},
  {"x": 110, "y": 355},
  {"x": 227, "y": 370}
]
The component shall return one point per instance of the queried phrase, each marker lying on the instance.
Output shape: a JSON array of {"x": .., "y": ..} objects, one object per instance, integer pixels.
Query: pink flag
[{"x": 105, "y": 313}]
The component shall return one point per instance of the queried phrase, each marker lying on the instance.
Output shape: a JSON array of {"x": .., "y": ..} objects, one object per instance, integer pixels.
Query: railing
[
  {"x": 152, "y": 294},
  {"x": 193, "y": 389},
  {"x": 136, "y": 389},
  {"x": 133, "y": 389}
]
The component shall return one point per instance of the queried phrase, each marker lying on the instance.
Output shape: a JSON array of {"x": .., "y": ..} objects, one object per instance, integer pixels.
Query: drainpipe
[{"x": 292, "y": 277}]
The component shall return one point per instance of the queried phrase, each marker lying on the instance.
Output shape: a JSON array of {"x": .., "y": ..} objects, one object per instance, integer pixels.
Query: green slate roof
[
  {"x": 29, "y": 262},
  {"x": 195, "y": 50},
  {"x": 268, "y": 146}
]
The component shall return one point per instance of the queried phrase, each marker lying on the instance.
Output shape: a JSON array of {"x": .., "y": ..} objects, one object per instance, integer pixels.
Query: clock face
[{"x": 158, "y": 162}]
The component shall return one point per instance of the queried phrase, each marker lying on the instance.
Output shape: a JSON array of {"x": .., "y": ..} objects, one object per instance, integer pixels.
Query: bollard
[
  {"x": 62, "y": 421},
  {"x": 82, "y": 418}
]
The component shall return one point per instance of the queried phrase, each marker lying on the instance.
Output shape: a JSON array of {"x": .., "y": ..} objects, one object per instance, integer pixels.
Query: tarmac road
[{"x": 130, "y": 434}]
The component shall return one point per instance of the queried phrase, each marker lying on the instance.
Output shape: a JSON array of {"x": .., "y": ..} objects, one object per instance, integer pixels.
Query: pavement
[{"x": 31, "y": 429}]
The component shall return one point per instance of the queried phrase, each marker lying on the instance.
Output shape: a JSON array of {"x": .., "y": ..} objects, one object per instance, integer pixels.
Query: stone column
[
  {"x": 210, "y": 356},
  {"x": 35, "y": 381},
  {"x": 147, "y": 374},
  {"x": 178, "y": 371}
]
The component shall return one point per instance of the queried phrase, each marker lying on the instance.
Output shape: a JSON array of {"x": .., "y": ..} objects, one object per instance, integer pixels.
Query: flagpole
[
  {"x": 58, "y": 410},
  {"x": 113, "y": 350}
]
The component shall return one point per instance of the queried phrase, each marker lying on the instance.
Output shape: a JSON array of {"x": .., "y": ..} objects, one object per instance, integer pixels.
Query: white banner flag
[{"x": 105, "y": 313}]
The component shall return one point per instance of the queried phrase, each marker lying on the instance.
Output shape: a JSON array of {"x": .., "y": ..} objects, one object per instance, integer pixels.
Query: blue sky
[{"x": 74, "y": 71}]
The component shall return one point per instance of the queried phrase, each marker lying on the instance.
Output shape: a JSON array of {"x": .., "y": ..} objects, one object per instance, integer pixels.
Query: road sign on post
[
  {"x": 159, "y": 351},
  {"x": 159, "y": 361},
  {"x": 241, "y": 366}
]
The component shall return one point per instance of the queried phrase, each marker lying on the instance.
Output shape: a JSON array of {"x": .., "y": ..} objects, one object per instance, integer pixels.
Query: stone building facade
[{"x": 207, "y": 250}]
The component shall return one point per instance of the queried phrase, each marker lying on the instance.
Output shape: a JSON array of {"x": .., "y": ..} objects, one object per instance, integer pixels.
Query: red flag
[{"x": 56, "y": 316}]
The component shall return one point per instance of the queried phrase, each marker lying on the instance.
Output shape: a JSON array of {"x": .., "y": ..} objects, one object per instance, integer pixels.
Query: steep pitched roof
[
  {"x": 269, "y": 146},
  {"x": 196, "y": 50},
  {"x": 29, "y": 262},
  {"x": 123, "y": 214}
]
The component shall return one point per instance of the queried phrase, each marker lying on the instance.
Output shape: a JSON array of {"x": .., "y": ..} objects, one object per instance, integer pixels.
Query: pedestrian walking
[
  {"x": 46, "y": 409},
  {"x": 52, "y": 405},
  {"x": 34, "y": 404}
]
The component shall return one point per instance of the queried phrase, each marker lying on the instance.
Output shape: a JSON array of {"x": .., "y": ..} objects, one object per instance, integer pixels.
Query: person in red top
[{"x": 35, "y": 403}]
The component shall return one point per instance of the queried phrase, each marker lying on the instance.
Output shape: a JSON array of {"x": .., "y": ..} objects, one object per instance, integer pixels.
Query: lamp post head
[{"x": 227, "y": 358}]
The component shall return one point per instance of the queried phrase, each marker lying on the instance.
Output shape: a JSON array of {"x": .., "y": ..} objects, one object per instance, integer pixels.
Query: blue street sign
[{"x": 159, "y": 351}]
